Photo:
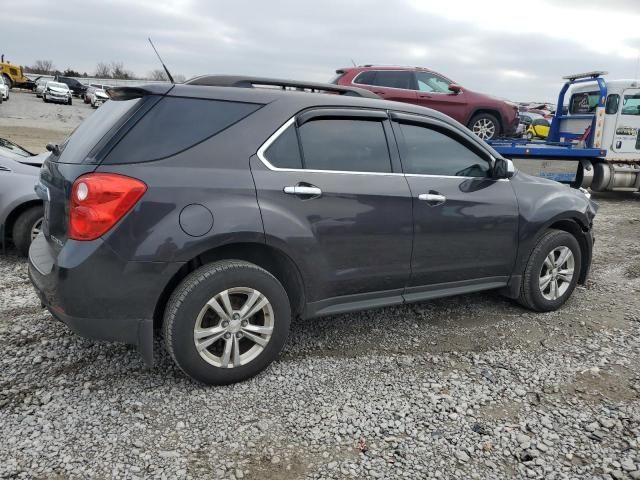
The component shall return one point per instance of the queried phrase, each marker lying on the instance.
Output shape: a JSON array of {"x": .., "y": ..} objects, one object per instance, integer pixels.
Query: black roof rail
[{"x": 252, "y": 82}]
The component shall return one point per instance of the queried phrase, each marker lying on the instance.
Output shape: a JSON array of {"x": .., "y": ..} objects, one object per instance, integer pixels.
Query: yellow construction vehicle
[{"x": 13, "y": 75}]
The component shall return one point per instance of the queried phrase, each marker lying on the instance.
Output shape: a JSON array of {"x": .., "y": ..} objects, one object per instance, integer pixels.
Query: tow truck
[{"x": 593, "y": 143}]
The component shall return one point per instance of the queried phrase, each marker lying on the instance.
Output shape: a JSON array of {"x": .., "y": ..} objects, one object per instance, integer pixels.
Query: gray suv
[{"x": 218, "y": 210}]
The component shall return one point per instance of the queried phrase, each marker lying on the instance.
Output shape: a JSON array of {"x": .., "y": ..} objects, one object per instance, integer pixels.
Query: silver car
[
  {"x": 21, "y": 210},
  {"x": 56, "y": 92}
]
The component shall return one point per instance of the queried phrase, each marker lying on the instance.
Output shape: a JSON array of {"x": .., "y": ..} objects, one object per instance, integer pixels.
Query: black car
[
  {"x": 219, "y": 213},
  {"x": 74, "y": 85}
]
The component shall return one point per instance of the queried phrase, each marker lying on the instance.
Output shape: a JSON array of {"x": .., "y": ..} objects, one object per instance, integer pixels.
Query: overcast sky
[{"x": 507, "y": 48}]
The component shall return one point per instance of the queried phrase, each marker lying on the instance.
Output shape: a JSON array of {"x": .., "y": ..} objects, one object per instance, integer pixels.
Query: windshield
[
  {"x": 57, "y": 85},
  {"x": 12, "y": 149},
  {"x": 631, "y": 105}
]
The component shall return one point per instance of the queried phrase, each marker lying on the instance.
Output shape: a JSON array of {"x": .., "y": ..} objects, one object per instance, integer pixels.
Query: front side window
[
  {"x": 428, "y": 151},
  {"x": 345, "y": 145},
  {"x": 429, "y": 82},
  {"x": 631, "y": 105}
]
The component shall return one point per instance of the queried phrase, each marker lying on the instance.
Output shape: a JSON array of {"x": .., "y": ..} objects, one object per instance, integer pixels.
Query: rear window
[
  {"x": 78, "y": 146},
  {"x": 584, "y": 103},
  {"x": 174, "y": 125}
]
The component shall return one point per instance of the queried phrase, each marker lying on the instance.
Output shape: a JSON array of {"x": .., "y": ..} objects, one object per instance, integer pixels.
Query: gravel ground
[
  {"x": 466, "y": 387},
  {"x": 28, "y": 121}
]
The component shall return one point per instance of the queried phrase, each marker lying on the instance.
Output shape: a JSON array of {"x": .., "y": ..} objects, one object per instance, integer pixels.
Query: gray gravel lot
[{"x": 465, "y": 387}]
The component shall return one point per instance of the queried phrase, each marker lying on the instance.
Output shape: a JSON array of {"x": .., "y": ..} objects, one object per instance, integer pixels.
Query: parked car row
[{"x": 59, "y": 91}]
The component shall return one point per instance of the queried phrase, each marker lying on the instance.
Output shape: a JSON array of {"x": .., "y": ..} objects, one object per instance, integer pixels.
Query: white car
[
  {"x": 4, "y": 90},
  {"x": 40, "y": 84},
  {"x": 99, "y": 97},
  {"x": 56, "y": 92}
]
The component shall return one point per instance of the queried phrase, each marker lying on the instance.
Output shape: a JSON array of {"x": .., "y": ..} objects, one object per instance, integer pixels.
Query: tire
[
  {"x": 24, "y": 226},
  {"x": 44, "y": 97},
  {"x": 479, "y": 125},
  {"x": 69, "y": 102},
  {"x": 187, "y": 310},
  {"x": 532, "y": 295}
]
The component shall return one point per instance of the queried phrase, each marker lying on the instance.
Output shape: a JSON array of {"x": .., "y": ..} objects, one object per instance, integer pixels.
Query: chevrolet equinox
[{"x": 218, "y": 210}]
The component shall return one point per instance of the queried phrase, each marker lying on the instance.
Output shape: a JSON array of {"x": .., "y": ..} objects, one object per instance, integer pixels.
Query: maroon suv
[{"x": 485, "y": 116}]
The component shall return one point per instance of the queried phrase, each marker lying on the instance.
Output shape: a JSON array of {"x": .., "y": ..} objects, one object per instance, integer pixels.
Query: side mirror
[
  {"x": 503, "y": 168},
  {"x": 455, "y": 88}
]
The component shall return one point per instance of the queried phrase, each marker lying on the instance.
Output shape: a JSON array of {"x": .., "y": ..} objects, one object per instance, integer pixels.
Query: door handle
[
  {"x": 432, "y": 199},
  {"x": 308, "y": 190},
  {"x": 424, "y": 96}
]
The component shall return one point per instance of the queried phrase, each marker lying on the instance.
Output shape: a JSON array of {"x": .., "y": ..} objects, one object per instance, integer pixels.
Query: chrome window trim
[{"x": 274, "y": 136}]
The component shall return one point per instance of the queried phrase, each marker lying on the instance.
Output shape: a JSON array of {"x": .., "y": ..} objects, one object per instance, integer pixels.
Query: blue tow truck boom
[{"x": 594, "y": 143}]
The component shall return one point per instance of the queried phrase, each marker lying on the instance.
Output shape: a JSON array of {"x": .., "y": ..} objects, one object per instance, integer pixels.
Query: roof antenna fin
[{"x": 163, "y": 65}]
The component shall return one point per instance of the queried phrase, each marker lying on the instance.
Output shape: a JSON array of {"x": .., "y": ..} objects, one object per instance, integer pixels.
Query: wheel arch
[
  {"x": 491, "y": 111},
  {"x": 576, "y": 227},
  {"x": 273, "y": 260},
  {"x": 15, "y": 213}
]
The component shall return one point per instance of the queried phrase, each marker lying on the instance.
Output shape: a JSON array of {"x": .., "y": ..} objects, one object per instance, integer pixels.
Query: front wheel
[
  {"x": 485, "y": 126},
  {"x": 226, "y": 322},
  {"x": 552, "y": 272}
]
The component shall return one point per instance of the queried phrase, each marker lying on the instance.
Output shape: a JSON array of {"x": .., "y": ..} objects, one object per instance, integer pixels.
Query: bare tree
[
  {"x": 103, "y": 70},
  {"x": 179, "y": 78},
  {"x": 118, "y": 71},
  {"x": 158, "y": 75},
  {"x": 43, "y": 67}
]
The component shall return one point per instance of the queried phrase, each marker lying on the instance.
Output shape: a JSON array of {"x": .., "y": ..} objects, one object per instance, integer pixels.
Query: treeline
[{"x": 115, "y": 70}]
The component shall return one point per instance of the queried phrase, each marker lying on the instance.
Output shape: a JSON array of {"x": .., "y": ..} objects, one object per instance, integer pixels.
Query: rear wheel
[
  {"x": 226, "y": 322},
  {"x": 552, "y": 272},
  {"x": 27, "y": 227},
  {"x": 485, "y": 126}
]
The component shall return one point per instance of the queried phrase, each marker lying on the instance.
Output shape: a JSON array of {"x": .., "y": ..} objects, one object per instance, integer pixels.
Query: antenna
[
  {"x": 354, "y": 63},
  {"x": 163, "y": 65}
]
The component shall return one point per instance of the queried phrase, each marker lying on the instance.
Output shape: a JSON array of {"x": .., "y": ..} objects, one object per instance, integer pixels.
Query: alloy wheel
[
  {"x": 556, "y": 273},
  {"x": 234, "y": 327},
  {"x": 35, "y": 229},
  {"x": 484, "y": 128}
]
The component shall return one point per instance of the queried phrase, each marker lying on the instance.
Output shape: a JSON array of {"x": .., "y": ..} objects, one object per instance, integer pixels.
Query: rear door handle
[
  {"x": 305, "y": 190},
  {"x": 432, "y": 199}
]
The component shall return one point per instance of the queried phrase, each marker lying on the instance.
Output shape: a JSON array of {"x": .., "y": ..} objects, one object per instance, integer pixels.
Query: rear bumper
[{"x": 96, "y": 294}]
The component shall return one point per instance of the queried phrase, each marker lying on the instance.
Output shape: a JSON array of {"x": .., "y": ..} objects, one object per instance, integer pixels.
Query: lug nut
[
  {"x": 244, "y": 323},
  {"x": 225, "y": 324},
  {"x": 239, "y": 335},
  {"x": 227, "y": 336}
]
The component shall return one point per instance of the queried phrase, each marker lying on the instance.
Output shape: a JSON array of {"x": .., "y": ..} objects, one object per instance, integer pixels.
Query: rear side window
[
  {"x": 176, "y": 124},
  {"x": 631, "y": 105},
  {"x": 387, "y": 78},
  {"x": 285, "y": 152},
  {"x": 345, "y": 145},
  {"x": 78, "y": 146},
  {"x": 426, "y": 151}
]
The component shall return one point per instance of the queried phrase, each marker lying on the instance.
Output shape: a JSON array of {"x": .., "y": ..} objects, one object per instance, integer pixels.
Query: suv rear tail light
[{"x": 99, "y": 201}]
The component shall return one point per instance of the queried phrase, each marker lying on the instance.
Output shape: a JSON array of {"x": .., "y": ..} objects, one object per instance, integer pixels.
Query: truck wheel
[
  {"x": 26, "y": 227},
  {"x": 485, "y": 126},
  {"x": 8, "y": 81},
  {"x": 226, "y": 322},
  {"x": 551, "y": 273}
]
